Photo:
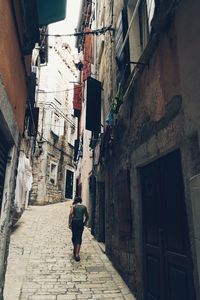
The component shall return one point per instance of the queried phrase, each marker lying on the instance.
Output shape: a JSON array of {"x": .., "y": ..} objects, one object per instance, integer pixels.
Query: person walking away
[{"x": 78, "y": 218}]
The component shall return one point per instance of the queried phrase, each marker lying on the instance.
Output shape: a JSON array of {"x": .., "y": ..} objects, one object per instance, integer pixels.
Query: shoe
[{"x": 77, "y": 258}]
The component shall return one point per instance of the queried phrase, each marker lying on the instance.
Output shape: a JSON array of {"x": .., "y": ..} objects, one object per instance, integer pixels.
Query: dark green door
[
  {"x": 167, "y": 260},
  {"x": 69, "y": 184}
]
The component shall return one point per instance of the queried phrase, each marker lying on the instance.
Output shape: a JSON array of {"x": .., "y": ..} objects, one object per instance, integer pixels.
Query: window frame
[{"x": 55, "y": 179}]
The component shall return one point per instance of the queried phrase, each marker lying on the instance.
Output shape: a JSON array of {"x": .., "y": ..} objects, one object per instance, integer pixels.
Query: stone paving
[{"x": 41, "y": 266}]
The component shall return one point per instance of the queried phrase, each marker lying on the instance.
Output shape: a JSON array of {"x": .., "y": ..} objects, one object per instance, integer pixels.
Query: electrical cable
[
  {"x": 45, "y": 92},
  {"x": 99, "y": 31},
  {"x": 60, "y": 126},
  {"x": 59, "y": 112}
]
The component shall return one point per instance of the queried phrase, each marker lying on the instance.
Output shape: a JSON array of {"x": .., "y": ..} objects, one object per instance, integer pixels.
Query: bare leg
[
  {"x": 78, "y": 247},
  {"x": 77, "y": 257},
  {"x": 74, "y": 250}
]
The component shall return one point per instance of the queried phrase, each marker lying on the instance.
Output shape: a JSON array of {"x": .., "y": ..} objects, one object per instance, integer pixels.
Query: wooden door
[{"x": 167, "y": 260}]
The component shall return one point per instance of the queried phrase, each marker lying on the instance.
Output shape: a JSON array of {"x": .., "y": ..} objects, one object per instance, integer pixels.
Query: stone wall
[
  {"x": 43, "y": 190},
  {"x": 160, "y": 113}
]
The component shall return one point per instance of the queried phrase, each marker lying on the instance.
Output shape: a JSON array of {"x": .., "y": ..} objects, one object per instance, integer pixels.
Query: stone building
[
  {"x": 83, "y": 155},
  {"x": 146, "y": 163},
  {"x": 53, "y": 173}
]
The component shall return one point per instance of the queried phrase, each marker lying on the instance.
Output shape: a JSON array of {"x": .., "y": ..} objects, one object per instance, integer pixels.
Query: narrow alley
[
  {"x": 41, "y": 265},
  {"x": 100, "y": 106}
]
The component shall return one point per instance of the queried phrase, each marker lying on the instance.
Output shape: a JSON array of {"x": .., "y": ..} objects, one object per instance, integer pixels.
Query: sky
[
  {"x": 73, "y": 10},
  {"x": 71, "y": 21},
  {"x": 68, "y": 26}
]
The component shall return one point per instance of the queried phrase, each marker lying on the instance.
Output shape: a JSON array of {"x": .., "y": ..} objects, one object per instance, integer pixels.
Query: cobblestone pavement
[{"x": 41, "y": 266}]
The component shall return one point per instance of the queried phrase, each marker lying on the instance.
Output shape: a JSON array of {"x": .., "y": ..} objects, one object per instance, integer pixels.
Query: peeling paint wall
[
  {"x": 11, "y": 64},
  {"x": 11, "y": 132}
]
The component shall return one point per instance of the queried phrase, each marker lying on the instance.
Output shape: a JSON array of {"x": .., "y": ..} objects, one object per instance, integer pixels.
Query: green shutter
[{"x": 50, "y": 11}]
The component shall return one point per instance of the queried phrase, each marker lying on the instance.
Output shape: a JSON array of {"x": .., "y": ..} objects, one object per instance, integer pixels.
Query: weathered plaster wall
[
  {"x": 10, "y": 130},
  {"x": 11, "y": 66},
  {"x": 187, "y": 28}
]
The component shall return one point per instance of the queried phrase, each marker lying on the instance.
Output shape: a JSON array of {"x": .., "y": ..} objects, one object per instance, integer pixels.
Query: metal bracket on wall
[{"x": 137, "y": 63}]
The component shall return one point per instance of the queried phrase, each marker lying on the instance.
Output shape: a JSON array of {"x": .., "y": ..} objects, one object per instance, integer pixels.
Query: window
[
  {"x": 140, "y": 15},
  {"x": 150, "y": 11},
  {"x": 71, "y": 135},
  {"x": 122, "y": 54},
  {"x": 56, "y": 124},
  {"x": 53, "y": 173},
  {"x": 144, "y": 24}
]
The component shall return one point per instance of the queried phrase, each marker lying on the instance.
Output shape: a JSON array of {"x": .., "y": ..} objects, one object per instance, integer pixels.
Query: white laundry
[{"x": 23, "y": 183}]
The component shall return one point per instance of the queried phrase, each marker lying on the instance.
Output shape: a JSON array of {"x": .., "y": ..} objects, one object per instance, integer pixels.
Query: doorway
[
  {"x": 69, "y": 184},
  {"x": 168, "y": 271}
]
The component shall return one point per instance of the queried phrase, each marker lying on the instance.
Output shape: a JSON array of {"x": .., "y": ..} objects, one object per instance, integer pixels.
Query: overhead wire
[
  {"x": 58, "y": 91},
  {"x": 82, "y": 33},
  {"x": 59, "y": 112}
]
